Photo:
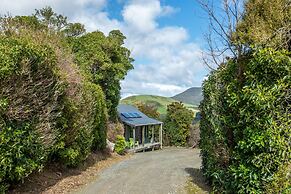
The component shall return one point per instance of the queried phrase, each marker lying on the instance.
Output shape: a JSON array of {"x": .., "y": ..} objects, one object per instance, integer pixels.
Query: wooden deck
[{"x": 145, "y": 147}]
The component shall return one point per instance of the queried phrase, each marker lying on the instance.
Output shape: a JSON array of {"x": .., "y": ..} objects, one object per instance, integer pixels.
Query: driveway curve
[{"x": 156, "y": 172}]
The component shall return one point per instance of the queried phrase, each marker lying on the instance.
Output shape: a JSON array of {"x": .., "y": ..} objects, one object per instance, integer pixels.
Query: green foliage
[
  {"x": 281, "y": 181},
  {"x": 21, "y": 153},
  {"x": 74, "y": 30},
  {"x": 130, "y": 143},
  {"x": 38, "y": 104},
  {"x": 246, "y": 123},
  {"x": 148, "y": 109},
  {"x": 50, "y": 110},
  {"x": 265, "y": 23},
  {"x": 47, "y": 18},
  {"x": 50, "y": 19},
  {"x": 105, "y": 61},
  {"x": 120, "y": 145},
  {"x": 177, "y": 124},
  {"x": 83, "y": 124}
]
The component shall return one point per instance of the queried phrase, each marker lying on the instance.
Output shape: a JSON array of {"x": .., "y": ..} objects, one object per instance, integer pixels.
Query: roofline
[{"x": 143, "y": 124}]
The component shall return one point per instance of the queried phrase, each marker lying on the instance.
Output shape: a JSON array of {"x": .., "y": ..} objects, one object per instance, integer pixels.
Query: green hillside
[
  {"x": 190, "y": 96},
  {"x": 158, "y": 101}
]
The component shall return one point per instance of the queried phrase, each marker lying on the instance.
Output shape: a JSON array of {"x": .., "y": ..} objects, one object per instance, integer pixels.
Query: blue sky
[{"x": 164, "y": 36}]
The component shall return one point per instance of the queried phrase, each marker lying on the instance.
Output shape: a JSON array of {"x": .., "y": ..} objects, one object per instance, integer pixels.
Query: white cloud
[
  {"x": 142, "y": 14},
  {"x": 166, "y": 61},
  {"x": 98, "y": 21},
  {"x": 151, "y": 88},
  {"x": 152, "y": 43}
]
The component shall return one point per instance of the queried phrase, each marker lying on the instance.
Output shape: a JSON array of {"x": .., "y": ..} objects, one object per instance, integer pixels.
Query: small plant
[
  {"x": 120, "y": 145},
  {"x": 130, "y": 143}
]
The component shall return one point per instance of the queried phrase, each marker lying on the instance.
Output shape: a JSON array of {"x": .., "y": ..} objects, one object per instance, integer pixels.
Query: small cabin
[{"x": 145, "y": 132}]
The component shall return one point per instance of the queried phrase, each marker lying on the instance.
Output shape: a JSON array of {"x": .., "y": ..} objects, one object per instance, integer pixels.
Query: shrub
[
  {"x": 130, "y": 143},
  {"x": 177, "y": 124},
  {"x": 246, "y": 123},
  {"x": 120, "y": 145}
]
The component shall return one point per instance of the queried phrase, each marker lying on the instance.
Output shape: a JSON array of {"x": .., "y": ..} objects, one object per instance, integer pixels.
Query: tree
[
  {"x": 266, "y": 23},
  {"x": 223, "y": 19},
  {"x": 237, "y": 25},
  {"x": 50, "y": 19},
  {"x": 106, "y": 61},
  {"x": 74, "y": 30},
  {"x": 58, "y": 23},
  {"x": 148, "y": 109},
  {"x": 177, "y": 124}
]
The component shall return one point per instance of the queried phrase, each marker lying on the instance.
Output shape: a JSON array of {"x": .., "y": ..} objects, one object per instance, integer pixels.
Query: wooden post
[
  {"x": 133, "y": 138},
  {"x": 161, "y": 135},
  {"x": 143, "y": 136},
  {"x": 153, "y": 134}
]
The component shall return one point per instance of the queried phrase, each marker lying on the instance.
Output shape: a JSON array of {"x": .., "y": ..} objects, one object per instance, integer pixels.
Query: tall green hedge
[
  {"x": 246, "y": 124},
  {"x": 59, "y": 85},
  {"x": 28, "y": 88},
  {"x": 48, "y": 109},
  {"x": 84, "y": 124}
]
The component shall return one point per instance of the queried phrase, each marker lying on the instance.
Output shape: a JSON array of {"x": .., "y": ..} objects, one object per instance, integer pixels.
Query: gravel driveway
[{"x": 156, "y": 172}]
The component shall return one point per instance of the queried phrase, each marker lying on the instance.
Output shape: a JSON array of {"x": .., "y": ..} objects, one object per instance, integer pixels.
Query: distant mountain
[
  {"x": 157, "y": 101},
  {"x": 191, "y": 96}
]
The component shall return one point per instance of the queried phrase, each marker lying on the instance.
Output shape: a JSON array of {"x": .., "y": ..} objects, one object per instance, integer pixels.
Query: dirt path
[{"x": 171, "y": 170}]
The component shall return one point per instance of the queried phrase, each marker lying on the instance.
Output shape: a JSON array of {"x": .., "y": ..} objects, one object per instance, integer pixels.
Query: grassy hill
[
  {"x": 191, "y": 96},
  {"x": 158, "y": 101}
]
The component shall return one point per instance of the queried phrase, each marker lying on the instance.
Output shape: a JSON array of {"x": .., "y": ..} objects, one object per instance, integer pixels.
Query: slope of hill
[
  {"x": 158, "y": 101},
  {"x": 191, "y": 96}
]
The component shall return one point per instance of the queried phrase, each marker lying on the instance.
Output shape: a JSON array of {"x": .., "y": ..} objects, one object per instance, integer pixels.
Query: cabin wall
[
  {"x": 149, "y": 131},
  {"x": 128, "y": 132}
]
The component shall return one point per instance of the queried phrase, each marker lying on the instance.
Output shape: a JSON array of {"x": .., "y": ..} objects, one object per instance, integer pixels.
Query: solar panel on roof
[
  {"x": 131, "y": 115},
  {"x": 137, "y": 115},
  {"x": 126, "y": 115}
]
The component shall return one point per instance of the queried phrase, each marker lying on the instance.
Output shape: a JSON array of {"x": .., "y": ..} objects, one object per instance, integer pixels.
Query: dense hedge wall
[
  {"x": 59, "y": 85},
  {"x": 246, "y": 124},
  {"x": 48, "y": 110},
  {"x": 84, "y": 124}
]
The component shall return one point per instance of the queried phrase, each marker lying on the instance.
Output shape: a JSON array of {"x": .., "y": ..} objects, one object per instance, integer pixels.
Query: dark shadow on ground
[{"x": 197, "y": 178}]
